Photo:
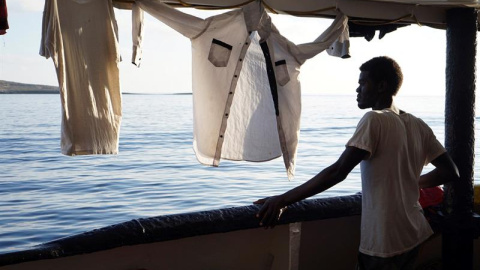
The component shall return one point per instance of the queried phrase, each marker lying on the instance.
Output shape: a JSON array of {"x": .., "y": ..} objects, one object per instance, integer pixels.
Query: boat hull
[{"x": 314, "y": 233}]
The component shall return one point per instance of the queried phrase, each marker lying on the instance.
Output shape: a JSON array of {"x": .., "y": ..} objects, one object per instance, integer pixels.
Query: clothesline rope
[
  {"x": 185, "y": 4},
  {"x": 272, "y": 10},
  {"x": 290, "y": 12},
  {"x": 269, "y": 8},
  {"x": 395, "y": 21}
]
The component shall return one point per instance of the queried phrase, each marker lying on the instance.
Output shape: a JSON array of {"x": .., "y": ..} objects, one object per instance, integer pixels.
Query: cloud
[{"x": 25, "y": 5}]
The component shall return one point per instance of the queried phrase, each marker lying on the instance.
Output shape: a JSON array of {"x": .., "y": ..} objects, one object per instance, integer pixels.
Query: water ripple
[{"x": 46, "y": 195}]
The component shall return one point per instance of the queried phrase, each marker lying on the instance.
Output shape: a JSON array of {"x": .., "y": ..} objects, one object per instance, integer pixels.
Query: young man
[{"x": 392, "y": 147}]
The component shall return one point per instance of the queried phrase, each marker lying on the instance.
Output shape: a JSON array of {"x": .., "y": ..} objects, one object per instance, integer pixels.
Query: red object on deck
[
  {"x": 3, "y": 17},
  {"x": 430, "y": 196}
]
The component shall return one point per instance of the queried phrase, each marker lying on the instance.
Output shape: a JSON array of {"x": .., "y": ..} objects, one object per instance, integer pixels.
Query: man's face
[{"x": 367, "y": 90}]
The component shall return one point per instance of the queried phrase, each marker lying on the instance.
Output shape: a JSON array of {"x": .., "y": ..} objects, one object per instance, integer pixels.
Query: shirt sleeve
[
  {"x": 432, "y": 146},
  {"x": 366, "y": 135},
  {"x": 50, "y": 32},
  {"x": 335, "y": 40},
  {"x": 137, "y": 34},
  {"x": 186, "y": 24}
]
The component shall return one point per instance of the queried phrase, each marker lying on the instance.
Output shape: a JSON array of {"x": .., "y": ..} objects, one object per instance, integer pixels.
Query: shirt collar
[
  {"x": 393, "y": 108},
  {"x": 257, "y": 19}
]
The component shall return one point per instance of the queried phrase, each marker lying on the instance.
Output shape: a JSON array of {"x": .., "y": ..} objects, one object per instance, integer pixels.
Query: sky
[{"x": 166, "y": 63}]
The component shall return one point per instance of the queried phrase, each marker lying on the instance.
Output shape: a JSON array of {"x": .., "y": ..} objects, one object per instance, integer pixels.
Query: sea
[{"x": 45, "y": 195}]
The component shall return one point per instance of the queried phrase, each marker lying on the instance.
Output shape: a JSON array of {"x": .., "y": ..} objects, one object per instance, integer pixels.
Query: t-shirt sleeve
[
  {"x": 335, "y": 39},
  {"x": 366, "y": 135},
  {"x": 50, "y": 32},
  {"x": 433, "y": 147}
]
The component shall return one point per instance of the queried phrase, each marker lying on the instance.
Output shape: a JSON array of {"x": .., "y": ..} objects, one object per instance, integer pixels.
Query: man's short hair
[{"x": 386, "y": 69}]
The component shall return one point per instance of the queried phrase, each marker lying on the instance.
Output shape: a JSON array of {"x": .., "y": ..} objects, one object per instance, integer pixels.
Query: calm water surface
[{"x": 45, "y": 195}]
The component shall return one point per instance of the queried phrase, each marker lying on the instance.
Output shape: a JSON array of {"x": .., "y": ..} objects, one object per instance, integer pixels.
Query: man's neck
[{"x": 386, "y": 103}]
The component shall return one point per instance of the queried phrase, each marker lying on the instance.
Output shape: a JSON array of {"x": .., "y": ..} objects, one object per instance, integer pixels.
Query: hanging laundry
[
  {"x": 137, "y": 34},
  {"x": 3, "y": 17},
  {"x": 246, "y": 92},
  {"x": 137, "y": 28},
  {"x": 81, "y": 38}
]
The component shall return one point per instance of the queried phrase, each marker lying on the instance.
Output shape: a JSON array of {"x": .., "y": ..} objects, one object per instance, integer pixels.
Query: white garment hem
[
  {"x": 387, "y": 255},
  {"x": 90, "y": 152}
]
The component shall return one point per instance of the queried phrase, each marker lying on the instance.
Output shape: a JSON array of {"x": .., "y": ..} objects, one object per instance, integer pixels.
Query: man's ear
[{"x": 382, "y": 86}]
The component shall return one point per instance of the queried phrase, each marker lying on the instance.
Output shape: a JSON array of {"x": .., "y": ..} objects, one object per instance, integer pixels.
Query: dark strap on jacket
[{"x": 271, "y": 75}]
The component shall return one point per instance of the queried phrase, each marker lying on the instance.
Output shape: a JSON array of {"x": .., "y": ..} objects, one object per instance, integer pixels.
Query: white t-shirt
[{"x": 399, "y": 146}]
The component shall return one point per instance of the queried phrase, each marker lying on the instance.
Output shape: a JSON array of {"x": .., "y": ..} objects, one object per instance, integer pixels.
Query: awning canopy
[{"x": 379, "y": 12}]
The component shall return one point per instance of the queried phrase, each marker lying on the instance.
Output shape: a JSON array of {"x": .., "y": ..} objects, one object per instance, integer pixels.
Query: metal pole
[{"x": 457, "y": 247}]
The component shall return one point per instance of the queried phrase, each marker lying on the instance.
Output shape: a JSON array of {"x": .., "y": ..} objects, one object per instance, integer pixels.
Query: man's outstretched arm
[
  {"x": 330, "y": 176},
  {"x": 444, "y": 172}
]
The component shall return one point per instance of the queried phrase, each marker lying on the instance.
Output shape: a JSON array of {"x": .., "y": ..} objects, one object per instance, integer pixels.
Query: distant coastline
[{"x": 7, "y": 87}]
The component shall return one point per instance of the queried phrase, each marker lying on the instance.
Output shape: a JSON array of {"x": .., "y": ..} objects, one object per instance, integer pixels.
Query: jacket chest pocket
[
  {"x": 219, "y": 53},
  {"x": 281, "y": 72}
]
